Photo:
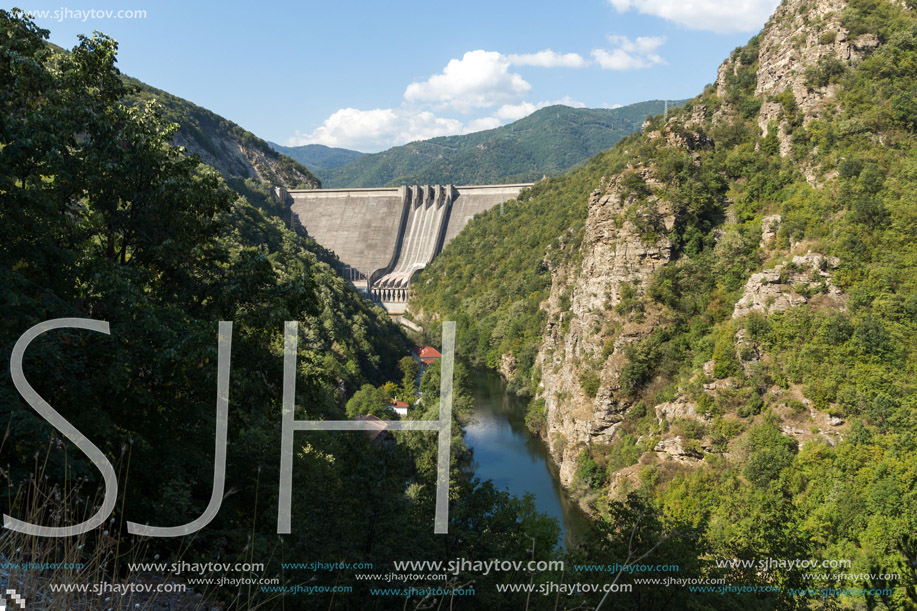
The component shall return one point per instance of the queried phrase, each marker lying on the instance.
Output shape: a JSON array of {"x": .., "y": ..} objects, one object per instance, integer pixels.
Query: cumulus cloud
[
  {"x": 547, "y": 59},
  {"x": 479, "y": 125},
  {"x": 514, "y": 112},
  {"x": 630, "y": 54},
  {"x": 479, "y": 80},
  {"x": 722, "y": 16},
  {"x": 372, "y": 130}
]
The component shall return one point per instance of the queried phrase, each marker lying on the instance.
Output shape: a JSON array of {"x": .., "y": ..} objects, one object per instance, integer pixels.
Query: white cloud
[
  {"x": 484, "y": 123},
  {"x": 723, "y": 16},
  {"x": 479, "y": 80},
  {"x": 373, "y": 130},
  {"x": 630, "y": 54},
  {"x": 547, "y": 59},
  {"x": 514, "y": 112}
]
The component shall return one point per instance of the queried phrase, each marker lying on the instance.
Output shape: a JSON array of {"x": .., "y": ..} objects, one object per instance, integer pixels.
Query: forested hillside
[
  {"x": 103, "y": 218},
  {"x": 547, "y": 142},
  {"x": 716, "y": 318},
  {"x": 318, "y": 157}
]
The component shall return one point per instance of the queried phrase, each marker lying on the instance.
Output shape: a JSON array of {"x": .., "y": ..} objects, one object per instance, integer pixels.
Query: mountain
[
  {"x": 716, "y": 318},
  {"x": 318, "y": 157},
  {"x": 549, "y": 141},
  {"x": 223, "y": 145}
]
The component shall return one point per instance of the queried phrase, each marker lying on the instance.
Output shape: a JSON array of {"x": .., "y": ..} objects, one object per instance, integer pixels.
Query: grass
[{"x": 37, "y": 567}]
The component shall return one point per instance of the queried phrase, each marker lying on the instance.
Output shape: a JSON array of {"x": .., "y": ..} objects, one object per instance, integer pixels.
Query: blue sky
[{"x": 369, "y": 75}]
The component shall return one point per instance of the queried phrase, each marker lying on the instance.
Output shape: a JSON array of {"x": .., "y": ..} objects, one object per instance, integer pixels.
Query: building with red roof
[
  {"x": 426, "y": 354},
  {"x": 400, "y": 407}
]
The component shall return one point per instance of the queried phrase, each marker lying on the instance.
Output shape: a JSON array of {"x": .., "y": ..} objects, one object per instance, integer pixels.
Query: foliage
[
  {"x": 587, "y": 471},
  {"x": 102, "y": 218},
  {"x": 369, "y": 400},
  {"x": 318, "y": 157}
]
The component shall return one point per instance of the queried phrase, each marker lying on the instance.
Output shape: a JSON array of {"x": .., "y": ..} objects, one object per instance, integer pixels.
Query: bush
[
  {"x": 870, "y": 336},
  {"x": 623, "y": 453},
  {"x": 589, "y": 382},
  {"x": 587, "y": 471},
  {"x": 535, "y": 416},
  {"x": 770, "y": 452},
  {"x": 828, "y": 70}
]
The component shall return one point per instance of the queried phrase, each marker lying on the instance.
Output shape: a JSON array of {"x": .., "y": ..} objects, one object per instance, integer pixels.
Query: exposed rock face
[
  {"x": 507, "y": 366},
  {"x": 799, "y": 36},
  {"x": 680, "y": 408},
  {"x": 790, "y": 46},
  {"x": 788, "y": 285},
  {"x": 677, "y": 449},
  {"x": 233, "y": 158},
  {"x": 769, "y": 227},
  {"x": 616, "y": 257}
]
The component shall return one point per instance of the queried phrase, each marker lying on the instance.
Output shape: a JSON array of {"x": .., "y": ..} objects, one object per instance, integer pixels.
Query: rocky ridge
[{"x": 590, "y": 321}]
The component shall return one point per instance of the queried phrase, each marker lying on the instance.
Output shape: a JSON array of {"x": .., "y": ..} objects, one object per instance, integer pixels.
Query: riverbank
[{"x": 506, "y": 452}]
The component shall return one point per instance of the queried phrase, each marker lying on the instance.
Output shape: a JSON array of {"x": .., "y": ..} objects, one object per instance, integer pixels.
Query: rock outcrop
[
  {"x": 790, "y": 284},
  {"x": 618, "y": 260},
  {"x": 801, "y": 46},
  {"x": 234, "y": 158}
]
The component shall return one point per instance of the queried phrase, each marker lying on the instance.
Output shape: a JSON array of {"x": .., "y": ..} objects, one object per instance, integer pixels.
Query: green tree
[
  {"x": 369, "y": 400},
  {"x": 410, "y": 369}
]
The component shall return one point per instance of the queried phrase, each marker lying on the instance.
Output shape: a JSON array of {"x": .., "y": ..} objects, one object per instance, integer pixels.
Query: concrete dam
[{"x": 384, "y": 236}]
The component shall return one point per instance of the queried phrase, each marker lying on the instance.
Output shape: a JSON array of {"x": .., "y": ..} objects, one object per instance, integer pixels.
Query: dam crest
[{"x": 385, "y": 236}]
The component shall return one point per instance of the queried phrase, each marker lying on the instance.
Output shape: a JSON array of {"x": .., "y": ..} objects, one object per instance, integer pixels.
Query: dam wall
[
  {"x": 362, "y": 226},
  {"x": 385, "y": 236}
]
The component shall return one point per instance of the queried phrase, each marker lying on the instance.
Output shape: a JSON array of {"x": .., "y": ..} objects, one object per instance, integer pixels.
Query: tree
[
  {"x": 410, "y": 369},
  {"x": 369, "y": 400}
]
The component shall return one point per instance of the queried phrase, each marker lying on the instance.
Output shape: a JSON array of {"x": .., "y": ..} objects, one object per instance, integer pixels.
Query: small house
[
  {"x": 400, "y": 407},
  {"x": 425, "y": 355}
]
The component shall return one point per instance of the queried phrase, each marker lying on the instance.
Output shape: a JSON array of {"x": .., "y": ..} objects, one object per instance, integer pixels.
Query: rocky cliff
[
  {"x": 225, "y": 146},
  {"x": 598, "y": 309}
]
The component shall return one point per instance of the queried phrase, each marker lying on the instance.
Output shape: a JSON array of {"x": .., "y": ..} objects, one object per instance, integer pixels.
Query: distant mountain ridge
[
  {"x": 549, "y": 141},
  {"x": 318, "y": 157}
]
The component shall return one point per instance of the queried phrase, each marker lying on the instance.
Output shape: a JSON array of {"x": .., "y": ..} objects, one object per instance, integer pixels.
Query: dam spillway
[{"x": 384, "y": 236}]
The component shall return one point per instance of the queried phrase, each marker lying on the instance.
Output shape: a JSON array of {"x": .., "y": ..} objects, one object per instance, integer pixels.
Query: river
[{"x": 507, "y": 453}]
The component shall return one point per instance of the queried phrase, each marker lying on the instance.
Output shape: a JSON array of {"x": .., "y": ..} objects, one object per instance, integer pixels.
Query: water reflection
[{"x": 516, "y": 460}]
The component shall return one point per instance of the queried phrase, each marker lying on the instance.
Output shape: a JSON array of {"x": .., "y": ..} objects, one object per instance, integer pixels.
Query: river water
[{"x": 507, "y": 453}]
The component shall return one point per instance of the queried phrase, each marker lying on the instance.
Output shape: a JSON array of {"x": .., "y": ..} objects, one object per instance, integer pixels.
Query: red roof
[
  {"x": 400, "y": 403},
  {"x": 425, "y": 353},
  {"x": 377, "y": 423}
]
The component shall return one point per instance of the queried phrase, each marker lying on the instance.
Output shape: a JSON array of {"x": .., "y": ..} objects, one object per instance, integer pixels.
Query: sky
[{"x": 371, "y": 75}]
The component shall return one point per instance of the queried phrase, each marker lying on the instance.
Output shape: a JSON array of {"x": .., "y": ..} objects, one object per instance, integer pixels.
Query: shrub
[
  {"x": 587, "y": 471},
  {"x": 871, "y": 337},
  {"x": 828, "y": 70},
  {"x": 623, "y": 453},
  {"x": 770, "y": 452},
  {"x": 589, "y": 382},
  {"x": 535, "y": 416}
]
